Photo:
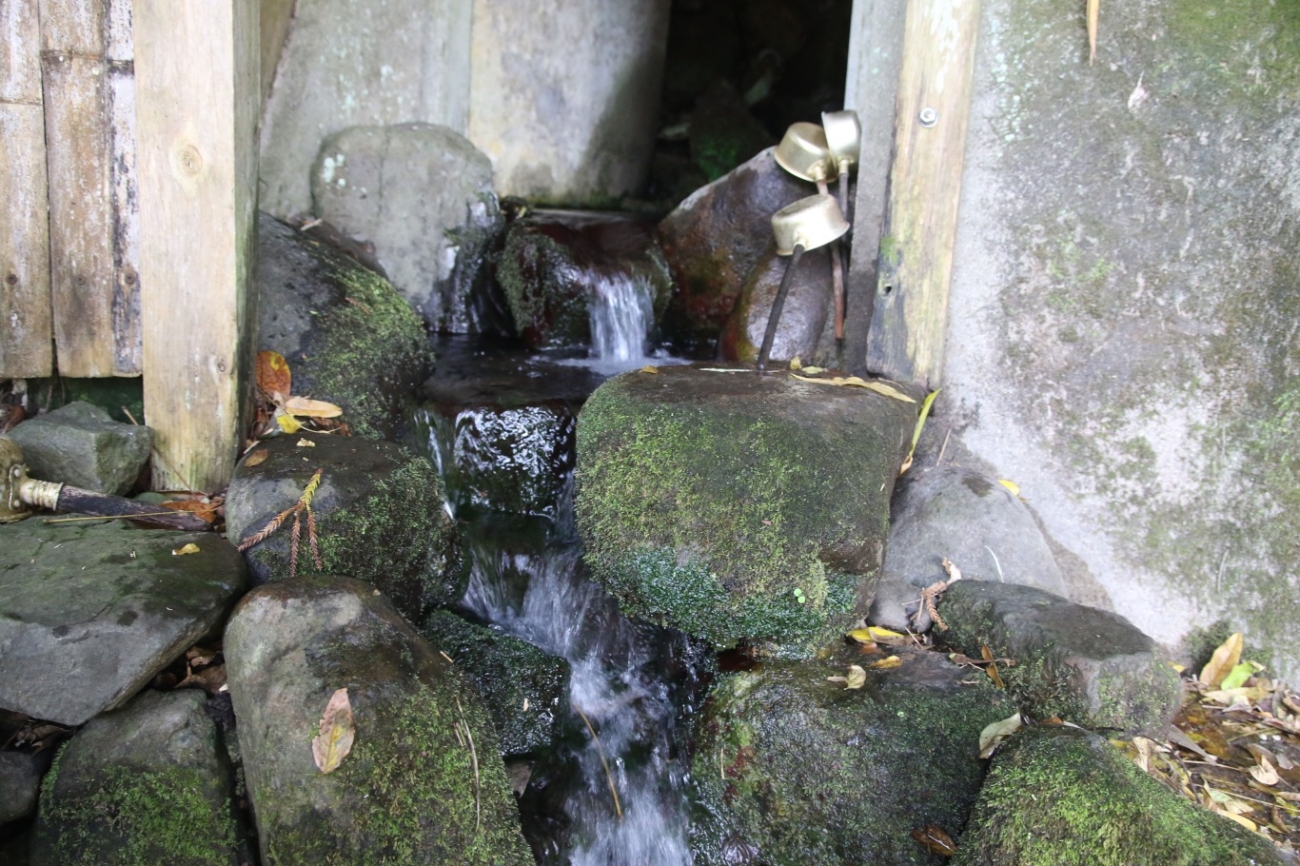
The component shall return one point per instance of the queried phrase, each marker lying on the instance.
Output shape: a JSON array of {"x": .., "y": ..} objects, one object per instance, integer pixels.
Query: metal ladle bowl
[
  {"x": 804, "y": 153},
  {"x": 843, "y": 137}
]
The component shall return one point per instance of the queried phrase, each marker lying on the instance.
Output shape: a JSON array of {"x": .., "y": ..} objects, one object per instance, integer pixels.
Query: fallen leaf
[
  {"x": 648, "y": 369},
  {"x": 1225, "y": 658},
  {"x": 205, "y": 510},
  {"x": 302, "y": 407},
  {"x": 186, "y": 550},
  {"x": 287, "y": 422},
  {"x": 273, "y": 375},
  {"x": 813, "y": 371},
  {"x": 796, "y": 363},
  {"x": 306, "y": 443},
  {"x": 1010, "y": 485},
  {"x": 1245, "y": 695},
  {"x": 859, "y": 382},
  {"x": 992, "y": 669},
  {"x": 1238, "y": 676},
  {"x": 861, "y": 635},
  {"x": 935, "y": 840},
  {"x": 337, "y": 732},
  {"x": 856, "y": 679},
  {"x": 1264, "y": 773},
  {"x": 257, "y": 457},
  {"x": 886, "y": 663},
  {"x": 211, "y": 679},
  {"x": 1145, "y": 749},
  {"x": 993, "y": 735},
  {"x": 884, "y": 634},
  {"x": 950, "y": 568},
  {"x": 1094, "y": 14}
]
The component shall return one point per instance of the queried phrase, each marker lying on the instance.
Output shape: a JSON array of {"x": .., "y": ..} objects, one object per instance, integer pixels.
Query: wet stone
[
  {"x": 807, "y": 307},
  {"x": 90, "y": 612},
  {"x": 80, "y": 445},
  {"x": 20, "y": 780},
  {"x": 1084, "y": 665}
]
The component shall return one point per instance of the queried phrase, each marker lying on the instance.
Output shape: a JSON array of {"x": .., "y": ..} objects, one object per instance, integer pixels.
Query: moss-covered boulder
[
  {"x": 348, "y": 336},
  {"x": 1088, "y": 666},
  {"x": 423, "y": 781},
  {"x": 526, "y": 690},
  {"x": 137, "y": 787},
  {"x": 554, "y": 265},
  {"x": 1059, "y": 796},
  {"x": 378, "y": 513},
  {"x": 791, "y": 769},
  {"x": 738, "y": 507}
]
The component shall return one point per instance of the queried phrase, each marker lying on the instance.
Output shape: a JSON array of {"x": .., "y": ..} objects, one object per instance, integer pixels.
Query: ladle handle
[{"x": 777, "y": 305}]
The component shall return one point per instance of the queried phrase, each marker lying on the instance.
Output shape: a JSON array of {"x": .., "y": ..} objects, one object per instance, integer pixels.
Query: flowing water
[{"x": 613, "y": 791}]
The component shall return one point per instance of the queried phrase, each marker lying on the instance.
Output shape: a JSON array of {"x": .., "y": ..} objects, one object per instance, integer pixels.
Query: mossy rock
[
  {"x": 1058, "y": 796},
  {"x": 526, "y": 690},
  {"x": 423, "y": 781},
  {"x": 378, "y": 512},
  {"x": 791, "y": 769},
  {"x": 138, "y": 787},
  {"x": 738, "y": 507},
  {"x": 348, "y": 335}
]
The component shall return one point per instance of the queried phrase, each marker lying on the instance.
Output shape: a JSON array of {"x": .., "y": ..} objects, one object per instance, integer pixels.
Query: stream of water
[{"x": 615, "y": 786}]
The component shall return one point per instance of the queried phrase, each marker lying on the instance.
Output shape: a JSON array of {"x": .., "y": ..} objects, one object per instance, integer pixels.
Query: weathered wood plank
[
  {"x": 87, "y": 83},
  {"x": 26, "y": 330},
  {"x": 910, "y": 313},
  {"x": 870, "y": 89},
  {"x": 198, "y": 94}
]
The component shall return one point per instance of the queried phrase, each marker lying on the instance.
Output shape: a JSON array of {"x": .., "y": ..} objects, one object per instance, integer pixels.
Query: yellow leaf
[
  {"x": 813, "y": 371},
  {"x": 1238, "y": 675},
  {"x": 287, "y": 422},
  {"x": 648, "y": 369},
  {"x": 1225, "y": 658},
  {"x": 795, "y": 363},
  {"x": 305, "y": 408},
  {"x": 1241, "y": 819},
  {"x": 857, "y": 677},
  {"x": 993, "y": 735},
  {"x": 861, "y": 635},
  {"x": 887, "y": 663},
  {"x": 1094, "y": 13},
  {"x": 186, "y": 550},
  {"x": 306, "y": 443},
  {"x": 1010, "y": 485},
  {"x": 878, "y": 633},
  {"x": 337, "y": 732},
  {"x": 859, "y": 382}
]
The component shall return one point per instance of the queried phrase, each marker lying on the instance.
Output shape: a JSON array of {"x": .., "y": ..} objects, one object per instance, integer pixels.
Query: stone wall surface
[{"x": 1124, "y": 333}]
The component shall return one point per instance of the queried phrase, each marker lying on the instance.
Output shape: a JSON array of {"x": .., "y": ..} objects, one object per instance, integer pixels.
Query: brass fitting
[{"x": 17, "y": 491}]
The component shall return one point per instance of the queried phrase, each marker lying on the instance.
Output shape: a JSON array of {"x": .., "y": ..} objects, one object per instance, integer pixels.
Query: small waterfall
[{"x": 621, "y": 310}]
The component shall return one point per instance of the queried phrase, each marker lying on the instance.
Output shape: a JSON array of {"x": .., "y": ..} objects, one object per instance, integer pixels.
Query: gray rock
[
  {"x": 81, "y": 446},
  {"x": 971, "y": 520},
  {"x": 145, "y": 784},
  {"x": 422, "y": 194},
  {"x": 803, "y": 317},
  {"x": 897, "y": 599},
  {"x": 1062, "y": 795},
  {"x": 526, "y": 690},
  {"x": 20, "y": 782},
  {"x": 378, "y": 511},
  {"x": 90, "y": 612},
  {"x": 1087, "y": 666},
  {"x": 558, "y": 265},
  {"x": 790, "y": 768},
  {"x": 423, "y": 774},
  {"x": 737, "y": 507},
  {"x": 348, "y": 65},
  {"x": 348, "y": 336},
  {"x": 715, "y": 239}
]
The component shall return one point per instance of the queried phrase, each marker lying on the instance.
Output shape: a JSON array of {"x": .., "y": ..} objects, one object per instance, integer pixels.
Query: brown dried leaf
[
  {"x": 211, "y": 679},
  {"x": 302, "y": 407},
  {"x": 337, "y": 732},
  {"x": 1225, "y": 658},
  {"x": 273, "y": 376},
  {"x": 884, "y": 665},
  {"x": 935, "y": 840},
  {"x": 993, "y": 735},
  {"x": 257, "y": 457}
]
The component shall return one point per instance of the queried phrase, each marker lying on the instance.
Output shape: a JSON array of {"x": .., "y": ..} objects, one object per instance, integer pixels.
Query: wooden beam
[
  {"x": 910, "y": 313},
  {"x": 26, "y": 330},
  {"x": 870, "y": 89},
  {"x": 198, "y": 94},
  {"x": 89, "y": 130}
]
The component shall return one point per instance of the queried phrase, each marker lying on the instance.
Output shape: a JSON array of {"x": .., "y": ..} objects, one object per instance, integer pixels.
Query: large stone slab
[
  {"x": 378, "y": 512},
  {"x": 347, "y": 334},
  {"x": 1122, "y": 337},
  {"x": 423, "y": 782},
  {"x": 735, "y": 506},
  {"x": 90, "y": 612},
  {"x": 422, "y": 194},
  {"x": 565, "y": 103},
  {"x": 117, "y": 790},
  {"x": 80, "y": 445},
  {"x": 1087, "y": 666},
  {"x": 792, "y": 769},
  {"x": 345, "y": 64},
  {"x": 1063, "y": 795}
]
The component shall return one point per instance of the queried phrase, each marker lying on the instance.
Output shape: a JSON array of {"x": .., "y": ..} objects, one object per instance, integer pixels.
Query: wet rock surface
[
  {"x": 807, "y": 306},
  {"x": 81, "y": 446},
  {"x": 423, "y": 781},
  {"x": 348, "y": 336},
  {"x": 790, "y": 768},
  {"x": 20, "y": 782},
  {"x": 1084, "y": 665},
  {"x": 90, "y": 612},
  {"x": 144, "y": 784},
  {"x": 422, "y": 194},
  {"x": 738, "y": 507},
  {"x": 378, "y": 512},
  {"x": 553, "y": 261},
  {"x": 1063, "y": 795}
]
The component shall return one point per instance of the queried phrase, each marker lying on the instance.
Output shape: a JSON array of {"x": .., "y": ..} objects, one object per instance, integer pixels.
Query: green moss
[
  {"x": 531, "y": 273},
  {"x": 1067, "y": 798},
  {"x": 137, "y": 818},
  {"x": 428, "y": 797}
]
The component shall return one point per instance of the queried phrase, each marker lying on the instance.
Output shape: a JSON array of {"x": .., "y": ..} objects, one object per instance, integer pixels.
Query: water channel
[{"x": 500, "y": 423}]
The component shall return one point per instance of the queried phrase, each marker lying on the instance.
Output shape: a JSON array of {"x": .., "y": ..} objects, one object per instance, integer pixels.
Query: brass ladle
[
  {"x": 807, "y": 224},
  {"x": 844, "y": 141}
]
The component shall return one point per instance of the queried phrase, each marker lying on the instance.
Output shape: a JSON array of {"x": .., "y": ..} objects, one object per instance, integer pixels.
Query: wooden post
[
  {"x": 870, "y": 89},
  {"x": 89, "y": 134},
  {"x": 26, "y": 346},
  {"x": 911, "y": 305},
  {"x": 197, "y": 74}
]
